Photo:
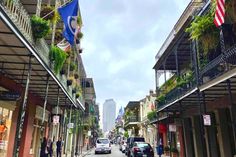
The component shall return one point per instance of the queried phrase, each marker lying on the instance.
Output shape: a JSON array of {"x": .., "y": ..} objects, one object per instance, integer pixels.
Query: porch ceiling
[{"x": 14, "y": 59}]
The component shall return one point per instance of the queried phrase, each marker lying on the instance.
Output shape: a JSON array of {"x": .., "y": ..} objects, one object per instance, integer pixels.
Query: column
[
  {"x": 212, "y": 138},
  {"x": 188, "y": 140},
  {"x": 197, "y": 137},
  {"x": 223, "y": 135}
]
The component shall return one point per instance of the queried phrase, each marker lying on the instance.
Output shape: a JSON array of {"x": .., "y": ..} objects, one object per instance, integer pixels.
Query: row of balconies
[
  {"x": 22, "y": 21},
  {"x": 206, "y": 64}
]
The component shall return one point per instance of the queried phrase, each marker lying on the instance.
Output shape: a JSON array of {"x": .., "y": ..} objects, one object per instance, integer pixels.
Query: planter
[
  {"x": 74, "y": 90},
  {"x": 58, "y": 36},
  {"x": 63, "y": 71},
  {"x": 58, "y": 57},
  {"x": 76, "y": 76},
  {"x": 69, "y": 82},
  {"x": 77, "y": 95}
]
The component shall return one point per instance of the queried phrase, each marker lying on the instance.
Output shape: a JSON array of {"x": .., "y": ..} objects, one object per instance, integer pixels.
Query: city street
[{"x": 114, "y": 153}]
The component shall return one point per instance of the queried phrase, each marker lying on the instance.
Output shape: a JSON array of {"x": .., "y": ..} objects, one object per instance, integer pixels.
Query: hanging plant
[
  {"x": 79, "y": 21},
  {"x": 58, "y": 57},
  {"x": 40, "y": 27},
  {"x": 56, "y": 17},
  {"x": 77, "y": 95},
  {"x": 80, "y": 35},
  {"x": 80, "y": 50},
  {"x": 69, "y": 82},
  {"x": 204, "y": 30},
  {"x": 74, "y": 90},
  {"x": 76, "y": 75},
  {"x": 230, "y": 7},
  {"x": 58, "y": 36},
  {"x": 47, "y": 13},
  {"x": 73, "y": 66}
]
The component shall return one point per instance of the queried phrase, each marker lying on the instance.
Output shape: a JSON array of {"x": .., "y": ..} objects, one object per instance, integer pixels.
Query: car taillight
[{"x": 136, "y": 149}]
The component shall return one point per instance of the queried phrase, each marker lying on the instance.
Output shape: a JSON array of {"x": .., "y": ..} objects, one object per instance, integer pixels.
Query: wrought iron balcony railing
[
  {"x": 220, "y": 65},
  {"x": 19, "y": 16},
  {"x": 132, "y": 119}
]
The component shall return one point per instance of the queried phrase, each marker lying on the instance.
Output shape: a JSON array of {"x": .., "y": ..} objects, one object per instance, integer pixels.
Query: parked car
[
  {"x": 123, "y": 147},
  {"x": 103, "y": 145},
  {"x": 141, "y": 149},
  {"x": 131, "y": 142}
]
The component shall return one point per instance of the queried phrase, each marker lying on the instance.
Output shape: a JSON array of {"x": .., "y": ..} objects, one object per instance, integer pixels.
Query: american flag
[{"x": 220, "y": 13}]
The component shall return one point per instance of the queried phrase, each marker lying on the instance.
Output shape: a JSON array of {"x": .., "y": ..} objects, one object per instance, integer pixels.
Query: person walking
[
  {"x": 59, "y": 146},
  {"x": 50, "y": 147},
  {"x": 43, "y": 150}
]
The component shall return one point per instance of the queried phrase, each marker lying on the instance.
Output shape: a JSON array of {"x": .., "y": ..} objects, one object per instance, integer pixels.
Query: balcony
[
  {"x": 132, "y": 120},
  {"x": 176, "y": 88},
  {"x": 18, "y": 20}
]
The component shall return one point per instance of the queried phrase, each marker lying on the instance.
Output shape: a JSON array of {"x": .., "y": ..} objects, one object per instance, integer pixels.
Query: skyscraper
[{"x": 109, "y": 114}]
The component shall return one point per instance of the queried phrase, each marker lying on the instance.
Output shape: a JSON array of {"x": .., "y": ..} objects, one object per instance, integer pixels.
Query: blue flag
[{"x": 69, "y": 15}]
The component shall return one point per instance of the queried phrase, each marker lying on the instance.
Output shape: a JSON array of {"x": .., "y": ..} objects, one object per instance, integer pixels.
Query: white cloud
[{"x": 121, "y": 39}]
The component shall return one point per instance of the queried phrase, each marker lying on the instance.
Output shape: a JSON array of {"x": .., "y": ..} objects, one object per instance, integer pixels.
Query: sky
[{"x": 121, "y": 39}]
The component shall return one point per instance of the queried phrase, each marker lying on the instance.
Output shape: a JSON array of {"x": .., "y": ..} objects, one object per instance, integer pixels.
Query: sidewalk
[{"x": 84, "y": 153}]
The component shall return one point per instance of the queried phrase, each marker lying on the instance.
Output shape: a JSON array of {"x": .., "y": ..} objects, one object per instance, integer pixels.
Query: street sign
[
  {"x": 207, "y": 120},
  {"x": 172, "y": 128},
  {"x": 56, "y": 119},
  {"x": 9, "y": 96},
  {"x": 89, "y": 133}
]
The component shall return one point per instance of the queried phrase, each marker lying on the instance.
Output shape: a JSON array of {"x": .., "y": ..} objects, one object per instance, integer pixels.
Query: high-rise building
[{"x": 109, "y": 114}]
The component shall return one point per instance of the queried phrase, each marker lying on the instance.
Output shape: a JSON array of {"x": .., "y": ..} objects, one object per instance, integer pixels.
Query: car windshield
[
  {"x": 143, "y": 145},
  {"x": 103, "y": 141},
  {"x": 139, "y": 139}
]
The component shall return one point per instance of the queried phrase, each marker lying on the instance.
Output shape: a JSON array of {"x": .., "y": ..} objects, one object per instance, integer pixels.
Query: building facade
[
  {"x": 197, "y": 104},
  {"x": 109, "y": 115},
  {"x": 39, "y": 97}
]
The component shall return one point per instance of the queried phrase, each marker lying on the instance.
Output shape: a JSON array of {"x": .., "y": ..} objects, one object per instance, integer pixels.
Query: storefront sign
[
  {"x": 207, "y": 120},
  {"x": 39, "y": 113},
  {"x": 89, "y": 133},
  {"x": 70, "y": 125},
  {"x": 172, "y": 128},
  {"x": 56, "y": 119},
  {"x": 9, "y": 96}
]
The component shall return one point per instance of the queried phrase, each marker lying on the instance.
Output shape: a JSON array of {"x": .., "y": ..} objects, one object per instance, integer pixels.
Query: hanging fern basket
[
  {"x": 58, "y": 57},
  {"x": 40, "y": 27},
  {"x": 47, "y": 13}
]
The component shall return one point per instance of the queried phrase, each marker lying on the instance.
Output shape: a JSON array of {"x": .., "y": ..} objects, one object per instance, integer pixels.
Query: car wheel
[
  {"x": 110, "y": 152},
  {"x": 96, "y": 152}
]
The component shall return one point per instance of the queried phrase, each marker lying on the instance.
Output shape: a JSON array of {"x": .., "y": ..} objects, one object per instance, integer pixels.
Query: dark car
[
  {"x": 141, "y": 149},
  {"x": 130, "y": 143}
]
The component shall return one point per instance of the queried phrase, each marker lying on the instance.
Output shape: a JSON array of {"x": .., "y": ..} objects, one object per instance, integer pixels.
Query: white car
[
  {"x": 103, "y": 145},
  {"x": 123, "y": 147}
]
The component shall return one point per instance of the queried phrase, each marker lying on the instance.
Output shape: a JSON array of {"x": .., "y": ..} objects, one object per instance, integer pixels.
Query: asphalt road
[{"x": 115, "y": 152}]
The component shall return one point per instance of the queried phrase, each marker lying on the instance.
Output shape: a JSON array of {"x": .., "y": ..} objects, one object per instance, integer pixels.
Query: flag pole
[{"x": 54, "y": 10}]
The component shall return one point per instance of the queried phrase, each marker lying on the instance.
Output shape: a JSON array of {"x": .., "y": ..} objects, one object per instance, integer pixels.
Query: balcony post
[
  {"x": 66, "y": 145},
  {"x": 165, "y": 70},
  {"x": 195, "y": 63},
  {"x": 38, "y": 9},
  {"x": 176, "y": 61},
  {"x": 21, "y": 115},
  {"x": 182, "y": 125},
  {"x": 232, "y": 113}
]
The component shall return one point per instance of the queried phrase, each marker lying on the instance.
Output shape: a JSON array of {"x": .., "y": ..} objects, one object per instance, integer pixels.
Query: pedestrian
[
  {"x": 59, "y": 145},
  {"x": 50, "y": 147},
  {"x": 43, "y": 150}
]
